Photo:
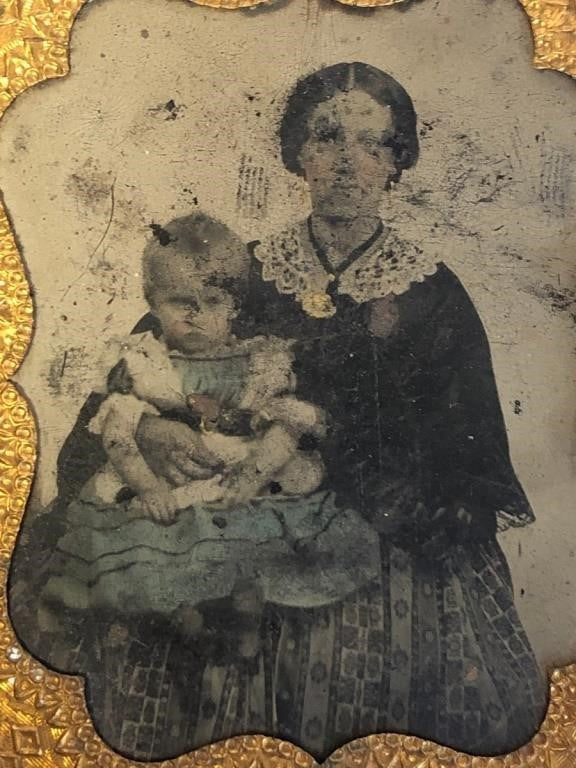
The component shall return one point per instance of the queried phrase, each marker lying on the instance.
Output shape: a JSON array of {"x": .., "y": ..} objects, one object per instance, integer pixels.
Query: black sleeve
[
  {"x": 457, "y": 482},
  {"x": 467, "y": 439},
  {"x": 82, "y": 454}
]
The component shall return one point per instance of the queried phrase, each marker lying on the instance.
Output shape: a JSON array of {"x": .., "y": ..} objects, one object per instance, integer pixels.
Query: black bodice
[
  {"x": 414, "y": 416},
  {"x": 415, "y": 423}
]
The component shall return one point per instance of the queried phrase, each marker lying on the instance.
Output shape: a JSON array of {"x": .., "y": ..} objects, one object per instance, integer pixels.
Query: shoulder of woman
[
  {"x": 288, "y": 248},
  {"x": 453, "y": 300},
  {"x": 435, "y": 293},
  {"x": 252, "y": 245},
  {"x": 147, "y": 322},
  {"x": 438, "y": 301}
]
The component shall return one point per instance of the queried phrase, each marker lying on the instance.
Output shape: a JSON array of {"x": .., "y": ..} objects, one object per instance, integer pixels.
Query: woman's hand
[{"x": 174, "y": 451}]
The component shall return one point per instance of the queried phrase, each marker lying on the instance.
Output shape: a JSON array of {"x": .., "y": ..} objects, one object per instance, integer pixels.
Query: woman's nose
[{"x": 344, "y": 154}]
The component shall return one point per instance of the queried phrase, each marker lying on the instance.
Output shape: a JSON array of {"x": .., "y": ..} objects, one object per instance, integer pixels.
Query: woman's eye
[
  {"x": 389, "y": 141},
  {"x": 211, "y": 300},
  {"x": 372, "y": 141},
  {"x": 326, "y": 133}
]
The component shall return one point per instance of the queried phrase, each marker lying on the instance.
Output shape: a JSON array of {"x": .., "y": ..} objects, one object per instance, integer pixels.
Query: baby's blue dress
[{"x": 114, "y": 558}]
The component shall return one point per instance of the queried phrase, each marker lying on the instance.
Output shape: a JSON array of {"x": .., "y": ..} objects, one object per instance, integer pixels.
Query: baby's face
[{"x": 194, "y": 320}]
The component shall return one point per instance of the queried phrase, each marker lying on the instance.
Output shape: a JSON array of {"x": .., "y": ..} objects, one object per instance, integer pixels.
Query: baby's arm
[
  {"x": 269, "y": 454},
  {"x": 280, "y": 416},
  {"x": 155, "y": 496},
  {"x": 275, "y": 455},
  {"x": 198, "y": 492},
  {"x": 297, "y": 416},
  {"x": 118, "y": 439}
]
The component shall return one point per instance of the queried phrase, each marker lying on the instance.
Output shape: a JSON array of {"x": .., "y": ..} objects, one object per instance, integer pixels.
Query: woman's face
[{"x": 346, "y": 160}]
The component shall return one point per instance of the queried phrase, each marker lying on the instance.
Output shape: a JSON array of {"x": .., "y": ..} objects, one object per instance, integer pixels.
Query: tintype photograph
[{"x": 302, "y": 371}]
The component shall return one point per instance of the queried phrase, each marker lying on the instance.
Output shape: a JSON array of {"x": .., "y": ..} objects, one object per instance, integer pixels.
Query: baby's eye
[{"x": 188, "y": 306}]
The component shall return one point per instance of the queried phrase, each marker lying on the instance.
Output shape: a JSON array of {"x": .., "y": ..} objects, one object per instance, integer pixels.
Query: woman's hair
[
  {"x": 322, "y": 85},
  {"x": 196, "y": 238}
]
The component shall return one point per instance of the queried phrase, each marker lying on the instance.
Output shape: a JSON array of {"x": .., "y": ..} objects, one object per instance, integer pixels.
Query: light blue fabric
[
  {"x": 115, "y": 559},
  {"x": 222, "y": 379}
]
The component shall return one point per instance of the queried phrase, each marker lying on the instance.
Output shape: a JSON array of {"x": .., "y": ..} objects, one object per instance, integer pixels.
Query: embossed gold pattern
[
  {"x": 554, "y": 28},
  {"x": 370, "y": 3},
  {"x": 44, "y": 722}
]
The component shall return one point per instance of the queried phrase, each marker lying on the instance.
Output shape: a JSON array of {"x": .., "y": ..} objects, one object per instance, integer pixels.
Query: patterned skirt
[{"x": 436, "y": 649}]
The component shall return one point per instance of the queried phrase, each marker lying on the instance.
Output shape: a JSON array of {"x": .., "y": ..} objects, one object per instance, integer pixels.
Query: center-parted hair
[
  {"x": 193, "y": 244},
  {"x": 320, "y": 86}
]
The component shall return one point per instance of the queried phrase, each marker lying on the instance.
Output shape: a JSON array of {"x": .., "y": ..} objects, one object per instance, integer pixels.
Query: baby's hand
[
  {"x": 242, "y": 486},
  {"x": 160, "y": 505},
  {"x": 210, "y": 490}
]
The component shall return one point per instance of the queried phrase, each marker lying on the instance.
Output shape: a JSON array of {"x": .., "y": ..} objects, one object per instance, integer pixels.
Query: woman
[{"x": 389, "y": 345}]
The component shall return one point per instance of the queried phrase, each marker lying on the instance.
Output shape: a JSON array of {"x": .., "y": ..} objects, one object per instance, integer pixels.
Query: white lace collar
[{"x": 388, "y": 266}]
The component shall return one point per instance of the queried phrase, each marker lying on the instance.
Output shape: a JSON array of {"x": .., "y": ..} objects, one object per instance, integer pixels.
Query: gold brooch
[{"x": 318, "y": 304}]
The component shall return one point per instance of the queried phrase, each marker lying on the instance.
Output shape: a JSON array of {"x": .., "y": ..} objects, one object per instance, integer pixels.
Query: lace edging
[{"x": 389, "y": 266}]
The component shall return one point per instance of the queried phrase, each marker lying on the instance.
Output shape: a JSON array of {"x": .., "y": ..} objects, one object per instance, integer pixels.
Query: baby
[
  {"x": 237, "y": 395},
  {"x": 209, "y": 553}
]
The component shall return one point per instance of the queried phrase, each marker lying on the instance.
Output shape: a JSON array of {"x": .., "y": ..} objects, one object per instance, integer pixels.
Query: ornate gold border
[{"x": 44, "y": 722}]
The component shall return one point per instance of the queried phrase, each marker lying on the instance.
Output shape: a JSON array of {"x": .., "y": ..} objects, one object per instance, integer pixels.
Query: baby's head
[{"x": 195, "y": 272}]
